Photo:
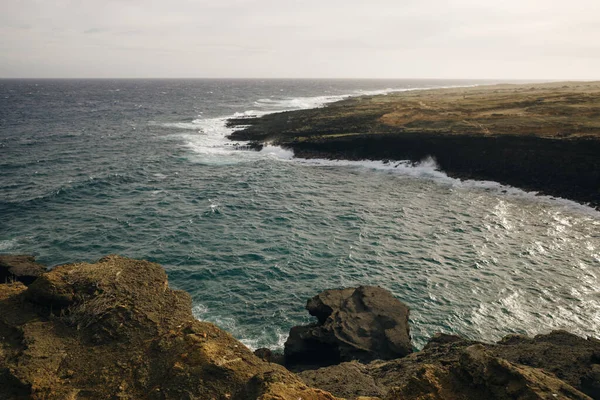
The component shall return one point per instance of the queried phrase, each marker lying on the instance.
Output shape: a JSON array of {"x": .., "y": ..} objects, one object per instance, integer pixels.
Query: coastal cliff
[
  {"x": 538, "y": 137},
  {"x": 114, "y": 329}
]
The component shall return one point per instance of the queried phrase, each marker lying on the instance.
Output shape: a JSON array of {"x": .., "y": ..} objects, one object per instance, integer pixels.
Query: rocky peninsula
[
  {"x": 115, "y": 330},
  {"x": 538, "y": 137}
]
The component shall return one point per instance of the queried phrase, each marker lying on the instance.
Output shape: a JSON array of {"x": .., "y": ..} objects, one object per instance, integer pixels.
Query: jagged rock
[
  {"x": 443, "y": 338},
  {"x": 364, "y": 324},
  {"x": 22, "y": 268},
  {"x": 570, "y": 357},
  {"x": 269, "y": 356},
  {"x": 505, "y": 380},
  {"x": 347, "y": 380},
  {"x": 479, "y": 375},
  {"x": 450, "y": 367},
  {"x": 114, "y": 329}
]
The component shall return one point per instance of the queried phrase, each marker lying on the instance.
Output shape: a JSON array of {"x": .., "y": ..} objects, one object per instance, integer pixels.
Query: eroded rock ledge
[
  {"x": 115, "y": 330},
  {"x": 558, "y": 365},
  {"x": 19, "y": 268}
]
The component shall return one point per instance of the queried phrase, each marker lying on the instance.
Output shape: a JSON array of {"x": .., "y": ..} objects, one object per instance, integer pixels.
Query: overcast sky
[{"x": 529, "y": 39}]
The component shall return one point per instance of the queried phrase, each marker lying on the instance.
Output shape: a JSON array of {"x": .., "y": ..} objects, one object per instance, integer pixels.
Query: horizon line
[{"x": 298, "y": 78}]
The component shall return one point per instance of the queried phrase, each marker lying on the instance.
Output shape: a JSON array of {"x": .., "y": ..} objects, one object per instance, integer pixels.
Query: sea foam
[{"x": 210, "y": 145}]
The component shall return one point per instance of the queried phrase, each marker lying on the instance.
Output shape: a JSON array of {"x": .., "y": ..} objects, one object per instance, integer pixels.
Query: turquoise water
[{"x": 142, "y": 169}]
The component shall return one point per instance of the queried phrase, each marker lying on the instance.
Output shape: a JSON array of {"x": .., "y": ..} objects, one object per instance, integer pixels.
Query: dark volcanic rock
[
  {"x": 22, "y": 268},
  {"x": 500, "y": 133},
  {"x": 364, "y": 324}
]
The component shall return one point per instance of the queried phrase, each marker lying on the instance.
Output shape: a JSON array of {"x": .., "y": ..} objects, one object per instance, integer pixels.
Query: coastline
[{"x": 537, "y": 137}]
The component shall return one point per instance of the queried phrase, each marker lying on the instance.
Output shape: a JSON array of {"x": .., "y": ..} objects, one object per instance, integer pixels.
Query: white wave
[
  {"x": 281, "y": 104},
  {"x": 277, "y": 152},
  {"x": 210, "y": 145},
  {"x": 248, "y": 114},
  {"x": 265, "y": 340},
  {"x": 192, "y": 125},
  {"x": 270, "y": 337},
  {"x": 428, "y": 169},
  {"x": 199, "y": 310},
  {"x": 396, "y": 90},
  {"x": 297, "y": 103},
  {"x": 386, "y": 91},
  {"x": 7, "y": 244}
]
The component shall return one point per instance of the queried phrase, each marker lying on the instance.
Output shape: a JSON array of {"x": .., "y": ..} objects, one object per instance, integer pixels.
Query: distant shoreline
[{"x": 540, "y": 137}]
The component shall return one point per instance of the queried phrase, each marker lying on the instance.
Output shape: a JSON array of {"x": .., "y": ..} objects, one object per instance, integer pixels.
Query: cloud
[
  {"x": 312, "y": 38},
  {"x": 94, "y": 30}
]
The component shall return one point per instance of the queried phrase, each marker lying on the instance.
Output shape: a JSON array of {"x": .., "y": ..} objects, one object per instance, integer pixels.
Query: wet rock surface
[
  {"x": 364, "y": 324},
  {"x": 21, "y": 268}
]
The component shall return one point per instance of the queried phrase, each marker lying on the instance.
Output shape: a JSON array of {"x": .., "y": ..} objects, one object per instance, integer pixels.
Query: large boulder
[
  {"x": 363, "y": 324},
  {"x": 21, "y": 268}
]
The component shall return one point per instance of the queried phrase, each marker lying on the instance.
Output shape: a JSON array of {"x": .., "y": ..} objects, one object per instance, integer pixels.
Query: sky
[{"x": 509, "y": 39}]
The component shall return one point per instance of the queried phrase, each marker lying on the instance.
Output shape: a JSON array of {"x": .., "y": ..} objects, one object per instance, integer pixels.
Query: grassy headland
[{"x": 543, "y": 137}]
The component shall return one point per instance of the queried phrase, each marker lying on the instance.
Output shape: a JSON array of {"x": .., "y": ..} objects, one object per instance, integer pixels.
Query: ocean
[{"x": 142, "y": 168}]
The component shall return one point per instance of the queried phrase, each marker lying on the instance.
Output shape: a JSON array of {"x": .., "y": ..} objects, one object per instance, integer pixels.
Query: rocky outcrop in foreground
[
  {"x": 368, "y": 328},
  {"x": 554, "y": 366},
  {"x": 115, "y": 330},
  {"x": 365, "y": 324}
]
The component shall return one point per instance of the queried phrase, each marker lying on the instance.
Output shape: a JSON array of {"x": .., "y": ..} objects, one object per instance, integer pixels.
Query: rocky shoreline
[
  {"x": 115, "y": 330},
  {"x": 541, "y": 137}
]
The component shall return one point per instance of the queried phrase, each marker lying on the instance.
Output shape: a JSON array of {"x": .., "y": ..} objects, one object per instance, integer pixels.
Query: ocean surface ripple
[{"x": 143, "y": 169}]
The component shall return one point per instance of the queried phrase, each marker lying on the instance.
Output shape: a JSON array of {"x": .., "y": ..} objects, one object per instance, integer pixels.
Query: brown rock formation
[
  {"x": 22, "y": 268},
  {"x": 114, "y": 329},
  {"x": 554, "y": 366}
]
